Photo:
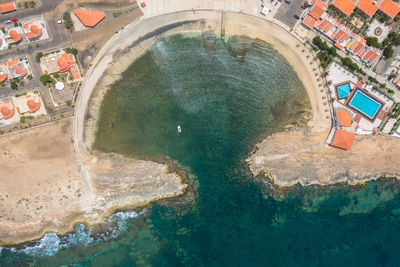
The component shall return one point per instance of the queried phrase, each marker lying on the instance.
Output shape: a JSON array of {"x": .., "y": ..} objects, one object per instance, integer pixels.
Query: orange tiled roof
[
  {"x": 338, "y": 35},
  {"x": 323, "y": 24},
  {"x": 20, "y": 70},
  {"x": 12, "y": 63},
  {"x": 368, "y": 7},
  {"x": 328, "y": 27},
  {"x": 358, "y": 48},
  {"x": 7, "y": 113},
  {"x": 343, "y": 38},
  {"x": 339, "y": 46},
  {"x": 397, "y": 81},
  {"x": 32, "y": 105},
  {"x": 34, "y": 33},
  {"x": 64, "y": 62},
  {"x": 15, "y": 36},
  {"x": 370, "y": 52},
  {"x": 344, "y": 118},
  {"x": 7, "y": 7},
  {"x": 75, "y": 72},
  {"x": 309, "y": 21},
  {"x": 321, "y": 4},
  {"x": 361, "y": 53},
  {"x": 3, "y": 76},
  {"x": 390, "y": 8},
  {"x": 345, "y": 6},
  {"x": 343, "y": 139},
  {"x": 372, "y": 58},
  {"x": 317, "y": 11},
  {"x": 89, "y": 17}
]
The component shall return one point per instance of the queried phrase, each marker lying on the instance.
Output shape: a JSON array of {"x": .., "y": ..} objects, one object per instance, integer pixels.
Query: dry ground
[
  {"x": 302, "y": 156},
  {"x": 38, "y": 177},
  {"x": 89, "y": 42},
  {"x": 41, "y": 187}
]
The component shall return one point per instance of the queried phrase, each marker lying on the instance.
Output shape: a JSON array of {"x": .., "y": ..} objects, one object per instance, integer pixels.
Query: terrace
[
  {"x": 29, "y": 104},
  {"x": 35, "y": 29},
  {"x": 7, "y": 112}
]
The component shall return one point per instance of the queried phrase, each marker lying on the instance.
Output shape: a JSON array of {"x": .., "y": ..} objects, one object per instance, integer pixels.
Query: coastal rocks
[{"x": 302, "y": 156}]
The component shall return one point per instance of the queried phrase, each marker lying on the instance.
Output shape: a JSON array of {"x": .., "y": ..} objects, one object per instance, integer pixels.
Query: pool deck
[{"x": 362, "y": 123}]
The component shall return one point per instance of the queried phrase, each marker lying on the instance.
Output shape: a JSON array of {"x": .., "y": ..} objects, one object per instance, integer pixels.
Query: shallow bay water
[{"x": 225, "y": 97}]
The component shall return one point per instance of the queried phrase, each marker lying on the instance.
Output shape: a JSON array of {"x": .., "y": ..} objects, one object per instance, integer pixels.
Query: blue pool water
[
  {"x": 343, "y": 90},
  {"x": 364, "y": 104}
]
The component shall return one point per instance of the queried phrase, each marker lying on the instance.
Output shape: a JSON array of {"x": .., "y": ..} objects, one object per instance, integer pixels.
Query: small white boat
[{"x": 179, "y": 129}]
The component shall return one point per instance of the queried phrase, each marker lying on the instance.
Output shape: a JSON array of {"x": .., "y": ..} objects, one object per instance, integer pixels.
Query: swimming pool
[
  {"x": 365, "y": 104},
  {"x": 343, "y": 90}
]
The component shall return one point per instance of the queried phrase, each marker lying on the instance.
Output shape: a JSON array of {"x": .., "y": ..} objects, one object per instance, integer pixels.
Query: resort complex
[{"x": 358, "y": 108}]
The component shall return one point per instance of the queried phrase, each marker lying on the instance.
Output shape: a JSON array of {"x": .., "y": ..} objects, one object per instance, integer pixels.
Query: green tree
[
  {"x": 45, "y": 79},
  {"x": 14, "y": 86},
  {"x": 38, "y": 56},
  {"x": 74, "y": 51},
  {"x": 373, "y": 41},
  {"x": 388, "y": 52}
]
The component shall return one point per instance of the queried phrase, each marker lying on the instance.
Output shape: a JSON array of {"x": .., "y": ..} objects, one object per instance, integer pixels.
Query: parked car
[
  {"x": 7, "y": 21},
  {"x": 60, "y": 21},
  {"x": 296, "y": 17},
  {"x": 15, "y": 20}
]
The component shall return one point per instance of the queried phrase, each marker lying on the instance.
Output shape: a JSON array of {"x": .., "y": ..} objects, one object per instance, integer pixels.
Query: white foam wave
[{"x": 51, "y": 243}]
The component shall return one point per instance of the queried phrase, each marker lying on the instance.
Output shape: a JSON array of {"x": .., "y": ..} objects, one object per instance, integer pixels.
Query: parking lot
[{"x": 286, "y": 12}]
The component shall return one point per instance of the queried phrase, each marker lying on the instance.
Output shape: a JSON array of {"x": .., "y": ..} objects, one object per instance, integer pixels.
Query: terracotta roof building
[
  {"x": 3, "y": 73},
  {"x": 15, "y": 37},
  {"x": 16, "y": 69},
  {"x": 32, "y": 105},
  {"x": 344, "y": 118},
  {"x": 343, "y": 139},
  {"x": 7, "y": 7},
  {"x": 389, "y": 8},
  {"x": 315, "y": 13},
  {"x": 7, "y": 112},
  {"x": 20, "y": 70},
  {"x": 65, "y": 62},
  {"x": 33, "y": 32},
  {"x": 368, "y": 7},
  {"x": 89, "y": 18},
  {"x": 344, "y": 6},
  {"x": 309, "y": 21}
]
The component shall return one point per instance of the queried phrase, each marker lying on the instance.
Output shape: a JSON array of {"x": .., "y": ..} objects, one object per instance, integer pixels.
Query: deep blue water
[{"x": 226, "y": 97}]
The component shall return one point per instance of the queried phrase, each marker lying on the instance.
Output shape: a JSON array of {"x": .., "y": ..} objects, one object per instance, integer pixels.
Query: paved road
[
  {"x": 59, "y": 38},
  {"x": 286, "y": 12},
  {"x": 47, "y": 5},
  {"x": 384, "y": 65}
]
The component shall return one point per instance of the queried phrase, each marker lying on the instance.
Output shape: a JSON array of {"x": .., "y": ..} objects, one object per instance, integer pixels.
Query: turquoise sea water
[{"x": 226, "y": 97}]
